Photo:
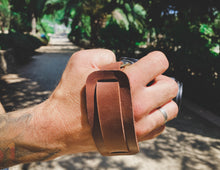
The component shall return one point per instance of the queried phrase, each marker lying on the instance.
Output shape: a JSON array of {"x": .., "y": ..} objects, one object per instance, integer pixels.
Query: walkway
[{"x": 188, "y": 143}]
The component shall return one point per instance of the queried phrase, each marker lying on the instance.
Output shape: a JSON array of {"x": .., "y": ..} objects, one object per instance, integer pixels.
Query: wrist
[
  {"x": 38, "y": 135},
  {"x": 67, "y": 131}
]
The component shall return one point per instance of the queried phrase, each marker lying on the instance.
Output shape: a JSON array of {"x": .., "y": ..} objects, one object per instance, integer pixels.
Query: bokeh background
[{"x": 37, "y": 37}]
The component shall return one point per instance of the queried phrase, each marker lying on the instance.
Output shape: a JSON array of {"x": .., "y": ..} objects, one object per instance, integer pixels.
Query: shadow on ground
[
  {"x": 173, "y": 150},
  {"x": 189, "y": 122},
  {"x": 19, "y": 92},
  {"x": 188, "y": 142}
]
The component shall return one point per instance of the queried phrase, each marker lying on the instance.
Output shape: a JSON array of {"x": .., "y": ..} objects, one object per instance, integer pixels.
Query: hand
[
  {"x": 64, "y": 113},
  {"x": 2, "y": 110},
  {"x": 147, "y": 99}
]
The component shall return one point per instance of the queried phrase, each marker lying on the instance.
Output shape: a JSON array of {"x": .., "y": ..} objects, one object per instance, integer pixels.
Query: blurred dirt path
[{"x": 188, "y": 143}]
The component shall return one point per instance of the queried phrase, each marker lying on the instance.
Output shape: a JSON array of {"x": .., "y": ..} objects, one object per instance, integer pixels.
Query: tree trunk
[
  {"x": 2, "y": 29},
  {"x": 96, "y": 24},
  {"x": 3, "y": 63},
  {"x": 93, "y": 39},
  {"x": 34, "y": 25}
]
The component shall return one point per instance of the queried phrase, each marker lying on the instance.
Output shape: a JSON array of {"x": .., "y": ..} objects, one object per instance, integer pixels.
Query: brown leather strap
[{"x": 109, "y": 111}]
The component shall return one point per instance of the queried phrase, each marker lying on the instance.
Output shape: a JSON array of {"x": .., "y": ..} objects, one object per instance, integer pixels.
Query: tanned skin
[
  {"x": 59, "y": 125},
  {"x": 18, "y": 141}
]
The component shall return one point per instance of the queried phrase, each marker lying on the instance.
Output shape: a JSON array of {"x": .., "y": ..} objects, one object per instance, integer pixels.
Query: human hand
[
  {"x": 2, "y": 110},
  {"x": 64, "y": 113}
]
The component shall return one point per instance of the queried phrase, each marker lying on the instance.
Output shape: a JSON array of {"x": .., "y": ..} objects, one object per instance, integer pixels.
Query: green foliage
[
  {"x": 81, "y": 31},
  {"x": 91, "y": 18},
  {"x": 22, "y": 13},
  {"x": 52, "y": 6},
  {"x": 187, "y": 31},
  {"x": 118, "y": 39},
  {"x": 46, "y": 24},
  {"x": 20, "y": 22},
  {"x": 206, "y": 29},
  {"x": 120, "y": 18},
  {"x": 4, "y": 15},
  {"x": 136, "y": 16}
]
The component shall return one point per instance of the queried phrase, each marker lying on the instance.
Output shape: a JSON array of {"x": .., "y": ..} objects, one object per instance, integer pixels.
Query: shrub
[{"x": 24, "y": 45}]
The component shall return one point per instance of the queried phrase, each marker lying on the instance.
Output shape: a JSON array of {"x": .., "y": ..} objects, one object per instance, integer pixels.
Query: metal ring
[{"x": 164, "y": 114}]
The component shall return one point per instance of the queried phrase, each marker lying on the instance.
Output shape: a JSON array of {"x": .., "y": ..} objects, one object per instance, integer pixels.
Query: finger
[
  {"x": 153, "y": 134},
  {"x": 94, "y": 58},
  {"x": 155, "y": 119},
  {"x": 147, "y": 68},
  {"x": 163, "y": 90},
  {"x": 2, "y": 110}
]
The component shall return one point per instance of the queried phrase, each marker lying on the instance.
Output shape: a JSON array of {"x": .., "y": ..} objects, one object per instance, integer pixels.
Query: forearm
[
  {"x": 20, "y": 139},
  {"x": 42, "y": 133}
]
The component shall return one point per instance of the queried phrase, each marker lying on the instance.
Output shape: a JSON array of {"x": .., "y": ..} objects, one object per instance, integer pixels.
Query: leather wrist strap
[{"x": 109, "y": 111}]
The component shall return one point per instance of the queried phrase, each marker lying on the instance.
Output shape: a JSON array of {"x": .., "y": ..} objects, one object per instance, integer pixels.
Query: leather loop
[
  {"x": 109, "y": 111},
  {"x": 111, "y": 120}
]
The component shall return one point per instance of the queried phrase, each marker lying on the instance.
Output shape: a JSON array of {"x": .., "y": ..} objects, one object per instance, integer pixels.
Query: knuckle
[
  {"x": 76, "y": 56},
  {"x": 173, "y": 87},
  {"x": 108, "y": 54},
  {"x": 161, "y": 58},
  {"x": 138, "y": 110},
  {"x": 141, "y": 132},
  {"x": 96, "y": 54},
  {"x": 175, "y": 109}
]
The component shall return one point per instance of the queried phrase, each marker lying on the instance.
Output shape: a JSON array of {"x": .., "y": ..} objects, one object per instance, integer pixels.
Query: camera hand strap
[{"x": 109, "y": 111}]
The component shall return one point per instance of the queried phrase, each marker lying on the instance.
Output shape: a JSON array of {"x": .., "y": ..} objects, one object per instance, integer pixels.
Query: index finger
[{"x": 147, "y": 68}]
